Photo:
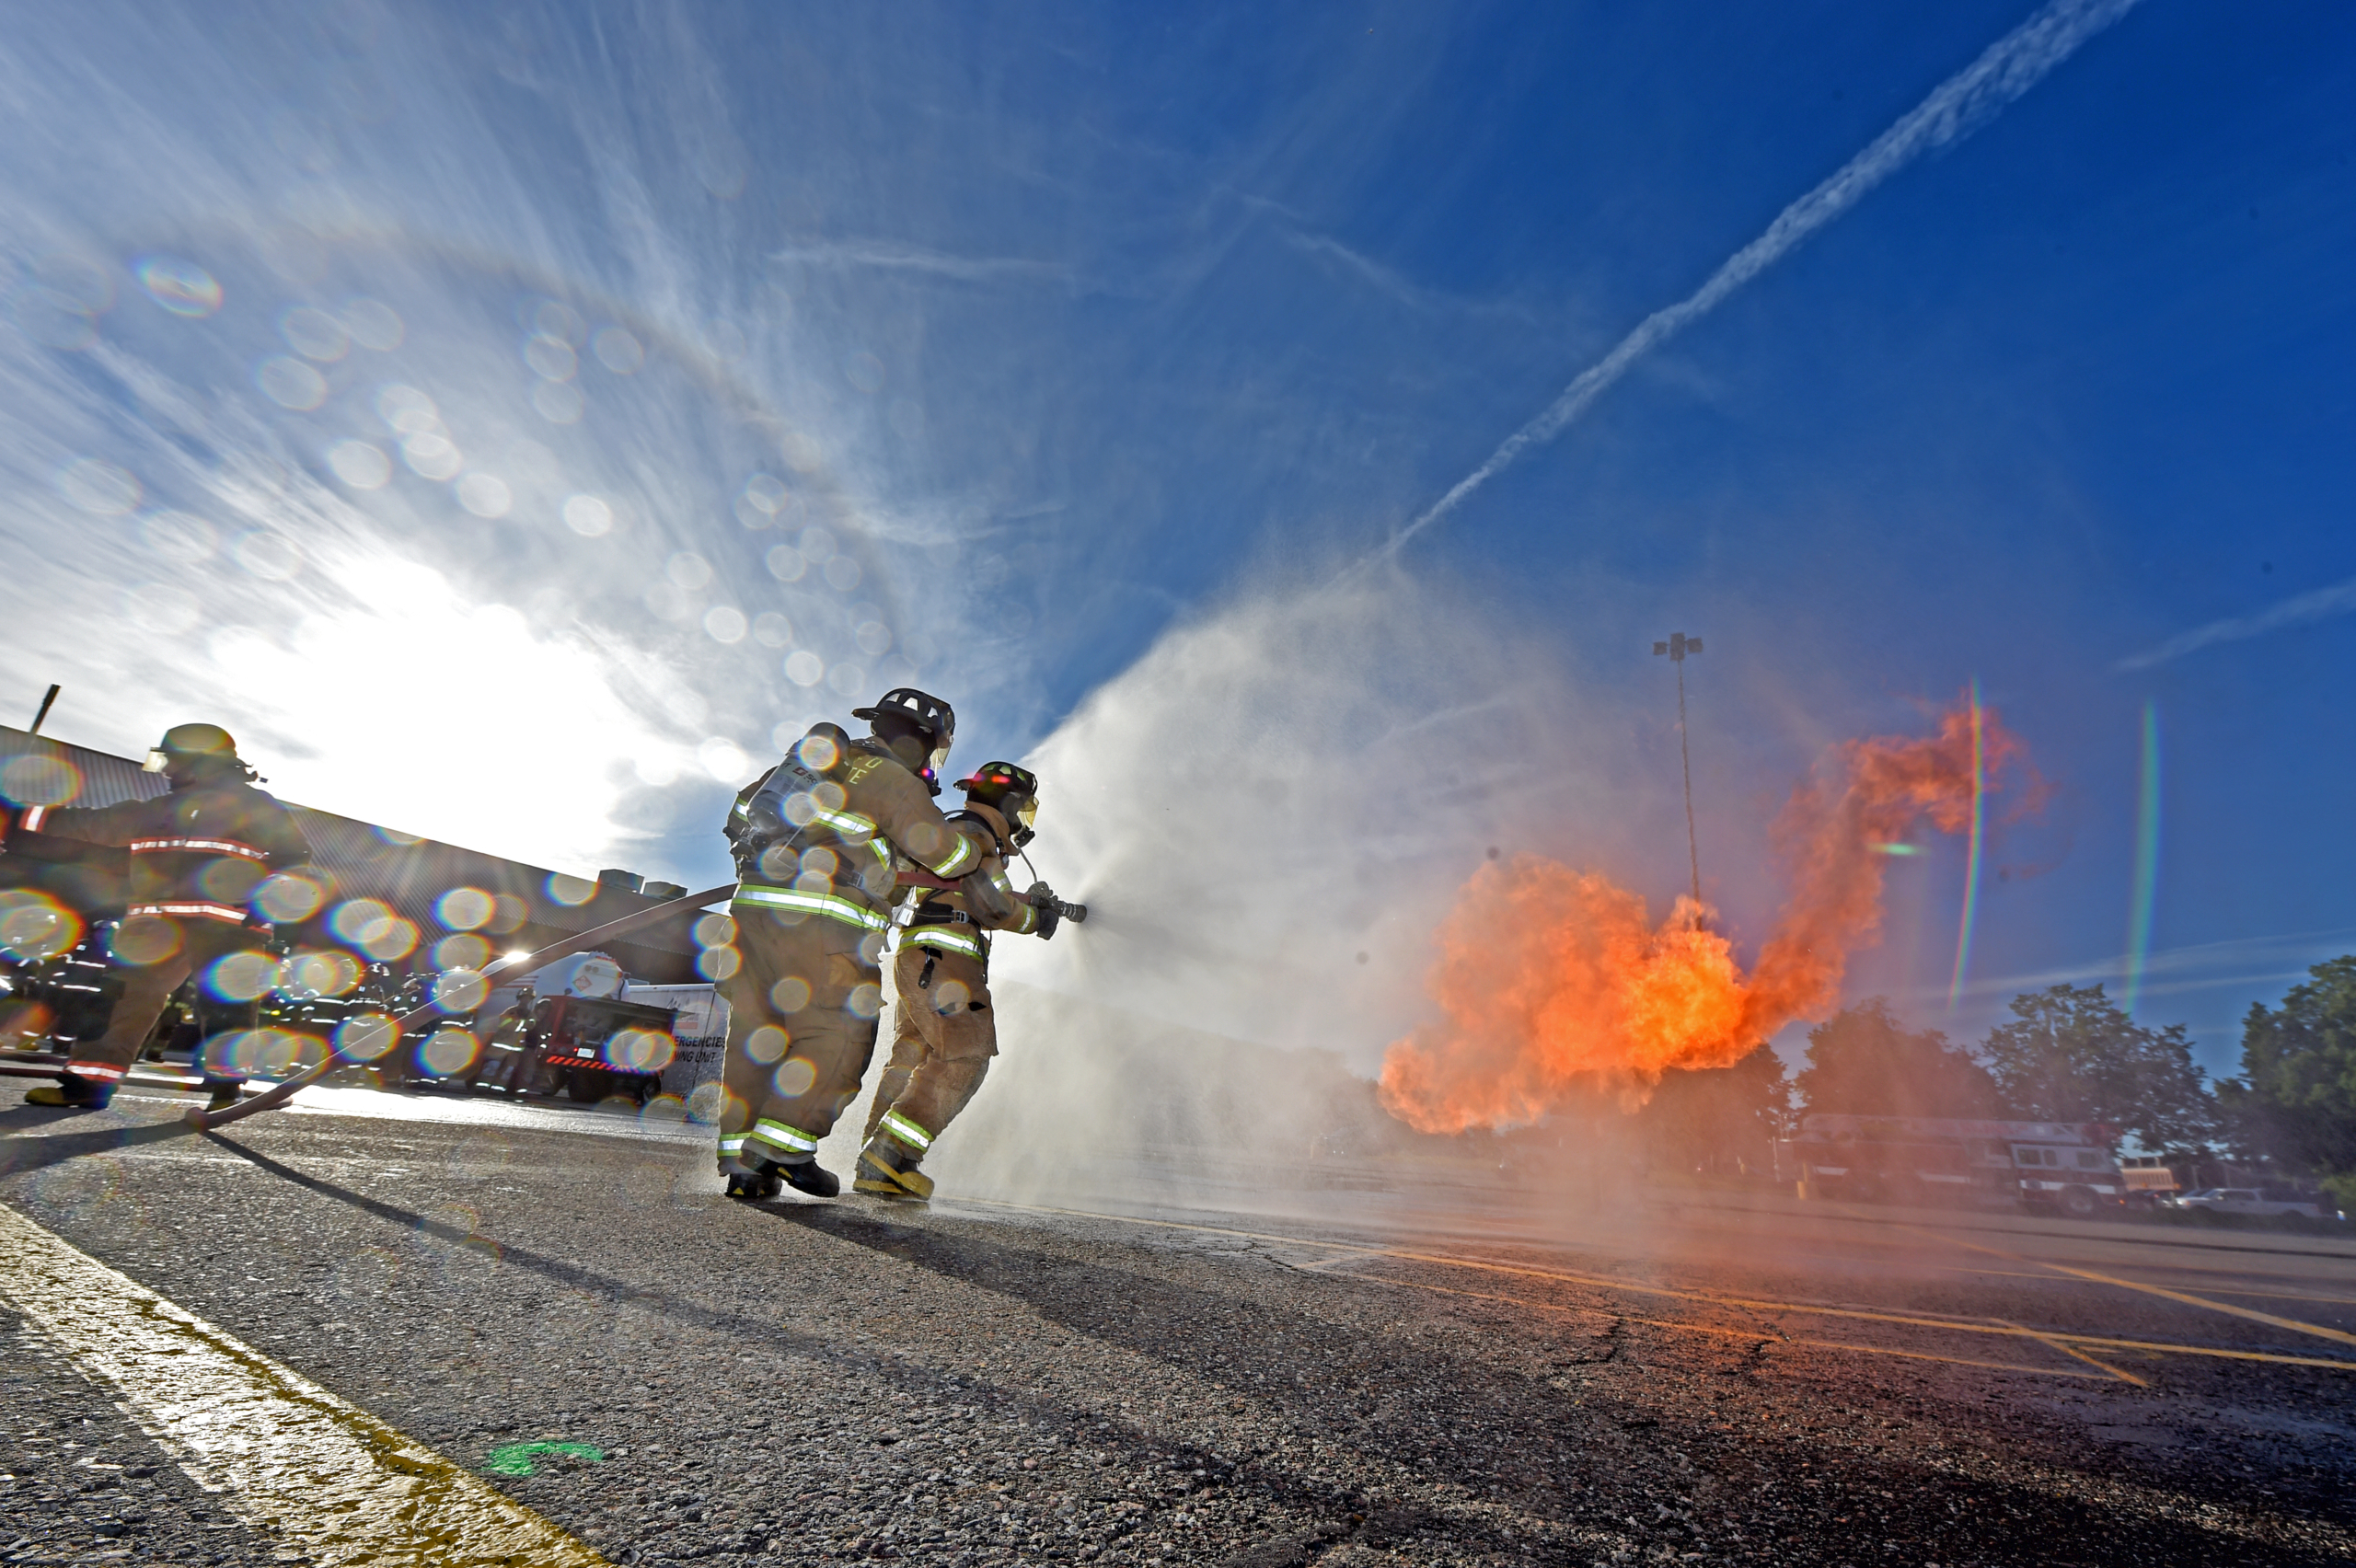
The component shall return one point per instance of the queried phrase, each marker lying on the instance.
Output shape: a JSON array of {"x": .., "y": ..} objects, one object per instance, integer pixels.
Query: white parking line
[{"x": 286, "y": 1456}]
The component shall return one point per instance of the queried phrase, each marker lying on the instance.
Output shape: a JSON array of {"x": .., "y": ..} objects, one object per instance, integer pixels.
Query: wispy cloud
[
  {"x": 1958, "y": 105},
  {"x": 2339, "y": 599},
  {"x": 888, "y": 256},
  {"x": 1388, "y": 281},
  {"x": 2196, "y": 967}
]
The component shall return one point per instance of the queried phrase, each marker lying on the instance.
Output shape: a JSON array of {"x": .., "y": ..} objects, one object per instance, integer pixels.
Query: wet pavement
[{"x": 1152, "y": 1371}]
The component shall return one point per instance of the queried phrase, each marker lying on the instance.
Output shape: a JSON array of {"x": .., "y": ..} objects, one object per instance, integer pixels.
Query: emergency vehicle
[{"x": 567, "y": 1028}]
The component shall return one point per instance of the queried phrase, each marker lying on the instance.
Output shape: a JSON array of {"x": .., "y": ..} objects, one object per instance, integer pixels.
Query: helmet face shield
[{"x": 1029, "y": 814}]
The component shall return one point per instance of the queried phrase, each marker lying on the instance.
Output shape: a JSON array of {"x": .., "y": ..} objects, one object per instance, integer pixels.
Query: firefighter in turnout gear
[
  {"x": 198, "y": 855},
  {"x": 820, "y": 843},
  {"x": 943, "y": 1032}
]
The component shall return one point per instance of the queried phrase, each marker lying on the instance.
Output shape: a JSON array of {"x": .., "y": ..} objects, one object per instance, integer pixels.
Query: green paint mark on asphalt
[{"x": 515, "y": 1458}]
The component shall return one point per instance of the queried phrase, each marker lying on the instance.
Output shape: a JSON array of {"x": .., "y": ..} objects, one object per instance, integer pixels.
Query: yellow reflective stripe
[
  {"x": 942, "y": 937},
  {"x": 730, "y": 1142},
  {"x": 851, "y": 824},
  {"x": 825, "y": 904},
  {"x": 907, "y": 1132},
  {"x": 960, "y": 861},
  {"x": 784, "y": 1137}
]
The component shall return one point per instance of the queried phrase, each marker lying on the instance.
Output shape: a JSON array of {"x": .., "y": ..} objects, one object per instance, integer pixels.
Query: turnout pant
[
  {"x": 943, "y": 1035},
  {"x": 195, "y": 945},
  {"x": 802, "y": 1028}
]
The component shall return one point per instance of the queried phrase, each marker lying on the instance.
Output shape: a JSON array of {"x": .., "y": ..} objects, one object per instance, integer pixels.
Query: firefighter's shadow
[
  {"x": 20, "y": 1154},
  {"x": 1242, "y": 1346},
  {"x": 978, "y": 1264}
]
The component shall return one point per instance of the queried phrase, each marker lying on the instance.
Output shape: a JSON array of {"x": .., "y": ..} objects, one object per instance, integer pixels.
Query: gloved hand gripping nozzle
[{"x": 1053, "y": 910}]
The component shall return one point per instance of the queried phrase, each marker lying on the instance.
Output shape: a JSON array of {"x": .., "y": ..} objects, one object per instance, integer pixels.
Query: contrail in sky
[
  {"x": 2336, "y": 600},
  {"x": 2012, "y": 65}
]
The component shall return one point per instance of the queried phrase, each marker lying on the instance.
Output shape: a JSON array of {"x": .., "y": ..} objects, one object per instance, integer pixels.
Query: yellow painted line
[
  {"x": 1752, "y": 1335},
  {"x": 2071, "y": 1351},
  {"x": 2293, "y": 1324},
  {"x": 285, "y": 1456},
  {"x": 1344, "y": 1252}
]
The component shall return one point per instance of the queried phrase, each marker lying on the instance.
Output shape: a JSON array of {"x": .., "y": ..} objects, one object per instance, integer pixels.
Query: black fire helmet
[
  {"x": 923, "y": 709},
  {"x": 994, "y": 783},
  {"x": 926, "y": 713},
  {"x": 183, "y": 742}
]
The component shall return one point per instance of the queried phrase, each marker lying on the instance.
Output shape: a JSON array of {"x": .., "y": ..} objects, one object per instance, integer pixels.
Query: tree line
[{"x": 2067, "y": 1054}]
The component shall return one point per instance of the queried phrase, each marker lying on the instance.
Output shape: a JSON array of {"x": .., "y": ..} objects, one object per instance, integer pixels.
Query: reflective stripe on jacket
[
  {"x": 856, "y": 799},
  {"x": 206, "y": 843}
]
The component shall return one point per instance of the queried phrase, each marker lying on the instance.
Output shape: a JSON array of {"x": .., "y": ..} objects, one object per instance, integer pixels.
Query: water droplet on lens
[
  {"x": 181, "y": 287},
  {"x": 620, "y": 352},
  {"x": 485, "y": 495},
  {"x": 360, "y": 464},
  {"x": 559, "y": 402},
  {"x": 291, "y": 383},
  {"x": 587, "y": 516},
  {"x": 96, "y": 485},
  {"x": 314, "y": 334},
  {"x": 373, "y": 325}
]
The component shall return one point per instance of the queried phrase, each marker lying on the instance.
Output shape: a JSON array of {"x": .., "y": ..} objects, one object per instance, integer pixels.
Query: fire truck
[
  {"x": 2065, "y": 1167},
  {"x": 569, "y": 1029}
]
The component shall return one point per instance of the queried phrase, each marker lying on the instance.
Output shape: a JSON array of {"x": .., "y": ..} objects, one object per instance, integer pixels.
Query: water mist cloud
[{"x": 1268, "y": 811}]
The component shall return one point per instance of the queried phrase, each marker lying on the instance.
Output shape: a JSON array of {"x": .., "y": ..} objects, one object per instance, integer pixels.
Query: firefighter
[
  {"x": 197, "y": 855},
  {"x": 819, "y": 844},
  {"x": 943, "y": 1032}
]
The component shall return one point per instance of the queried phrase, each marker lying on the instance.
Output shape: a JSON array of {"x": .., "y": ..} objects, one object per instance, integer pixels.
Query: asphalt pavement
[{"x": 551, "y": 1317}]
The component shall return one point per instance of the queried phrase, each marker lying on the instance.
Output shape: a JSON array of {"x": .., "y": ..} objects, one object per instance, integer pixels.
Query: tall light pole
[{"x": 1677, "y": 647}]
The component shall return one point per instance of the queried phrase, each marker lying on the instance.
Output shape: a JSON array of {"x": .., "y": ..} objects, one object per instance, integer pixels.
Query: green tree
[
  {"x": 2071, "y": 1055},
  {"x": 1718, "y": 1119},
  {"x": 2295, "y": 1102},
  {"x": 1863, "y": 1062}
]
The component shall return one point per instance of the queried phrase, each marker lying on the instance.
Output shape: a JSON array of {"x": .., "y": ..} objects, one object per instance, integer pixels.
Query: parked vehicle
[
  {"x": 2148, "y": 1179},
  {"x": 2264, "y": 1201},
  {"x": 2063, "y": 1166}
]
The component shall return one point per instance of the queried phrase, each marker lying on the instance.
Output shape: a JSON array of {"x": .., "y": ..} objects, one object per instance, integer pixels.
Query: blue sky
[{"x": 1097, "y": 341}]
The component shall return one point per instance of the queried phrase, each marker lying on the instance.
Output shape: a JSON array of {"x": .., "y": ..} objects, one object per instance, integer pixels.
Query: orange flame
[{"x": 1552, "y": 981}]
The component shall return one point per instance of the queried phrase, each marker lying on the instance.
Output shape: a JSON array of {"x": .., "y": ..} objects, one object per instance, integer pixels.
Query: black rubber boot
[
  {"x": 74, "y": 1093},
  {"x": 888, "y": 1172},
  {"x": 810, "y": 1176},
  {"x": 754, "y": 1186},
  {"x": 226, "y": 1092}
]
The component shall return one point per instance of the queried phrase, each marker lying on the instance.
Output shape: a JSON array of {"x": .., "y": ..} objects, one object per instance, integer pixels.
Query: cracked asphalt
[{"x": 1411, "y": 1370}]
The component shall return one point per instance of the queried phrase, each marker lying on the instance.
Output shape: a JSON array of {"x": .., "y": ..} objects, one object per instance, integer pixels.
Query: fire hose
[{"x": 279, "y": 1094}]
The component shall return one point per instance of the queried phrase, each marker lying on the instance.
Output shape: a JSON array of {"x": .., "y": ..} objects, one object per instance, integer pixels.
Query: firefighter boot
[
  {"x": 755, "y": 1185},
  {"x": 890, "y": 1171},
  {"x": 226, "y": 1092},
  {"x": 809, "y": 1176},
  {"x": 73, "y": 1094}
]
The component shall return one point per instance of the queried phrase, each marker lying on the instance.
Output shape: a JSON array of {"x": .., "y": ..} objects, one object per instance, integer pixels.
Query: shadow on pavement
[{"x": 18, "y": 1155}]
